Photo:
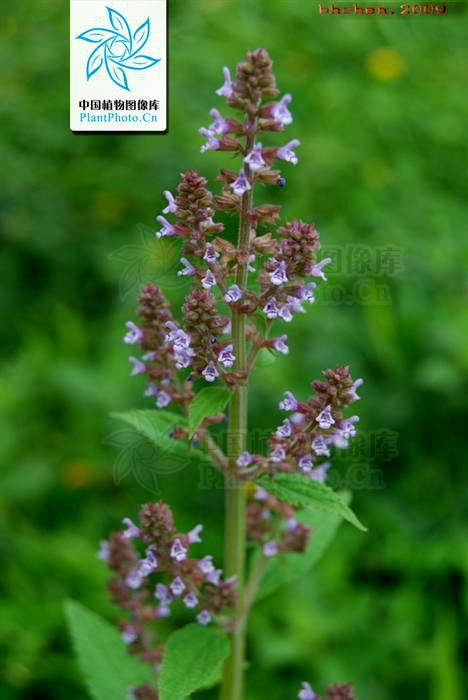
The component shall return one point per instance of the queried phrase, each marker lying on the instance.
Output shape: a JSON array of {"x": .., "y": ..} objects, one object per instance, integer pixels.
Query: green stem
[{"x": 235, "y": 494}]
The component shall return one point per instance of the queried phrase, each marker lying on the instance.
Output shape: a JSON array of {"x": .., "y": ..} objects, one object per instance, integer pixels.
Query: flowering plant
[{"x": 197, "y": 370}]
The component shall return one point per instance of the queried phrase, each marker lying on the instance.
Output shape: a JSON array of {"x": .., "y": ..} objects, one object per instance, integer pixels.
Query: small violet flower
[
  {"x": 240, "y": 185},
  {"x": 320, "y": 473},
  {"x": 128, "y": 635},
  {"x": 206, "y": 564},
  {"x": 270, "y": 548},
  {"x": 138, "y": 367},
  {"x": 226, "y": 356},
  {"x": 254, "y": 159},
  {"x": 204, "y": 618},
  {"x": 177, "y": 586},
  {"x": 210, "y": 254},
  {"x": 178, "y": 551},
  {"x": 163, "y": 399},
  {"x": 172, "y": 206},
  {"x": 209, "y": 280},
  {"x": 226, "y": 89},
  {"x": 306, "y": 693},
  {"x": 289, "y": 403},
  {"x": 244, "y": 459},
  {"x": 320, "y": 447},
  {"x": 162, "y": 593},
  {"x": 212, "y": 143},
  {"x": 210, "y": 372},
  {"x": 287, "y": 152},
  {"x": 103, "y": 551},
  {"x": 278, "y": 276},
  {"x": 316, "y": 270},
  {"x": 307, "y": 293},
  {"x": 285, "y": 429},
  {"x": 190, "y": 600},
  {"x": 194, "y": 535},
  {"x": 281, "y": 344},
  {"x": 134, "y": 335},
  {"x": 280, "y": 111},
  {"x": 132, "y": 530},
  {"x": 220, "y": 125},
  {"x": 148, "y": 565},
  {"x": 305, "y": 463},
  {"x": 325, "y": 418},
  {"x": 187, "y": 270},
  {"x": 278, "y": 454},
  {"x": 271, "y": 309},
  {"x": 167, "y": 228},
  {"x": 233, "y": 294},
  {"x": 352, "y": 392}
]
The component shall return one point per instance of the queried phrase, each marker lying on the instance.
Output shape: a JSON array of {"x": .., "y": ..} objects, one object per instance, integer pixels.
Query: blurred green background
[{"x": 381, "y": 108}]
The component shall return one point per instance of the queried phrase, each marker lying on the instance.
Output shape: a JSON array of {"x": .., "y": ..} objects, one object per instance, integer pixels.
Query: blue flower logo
[{"x": 118, "y": 49}]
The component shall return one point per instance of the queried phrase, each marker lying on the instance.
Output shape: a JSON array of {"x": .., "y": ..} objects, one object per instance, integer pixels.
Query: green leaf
[
  {"x": 108, "y": 669},
  {"x": 306, "y": 493},
  {"x": 288, "y": 567},
  {"x": 192, "y": 660},
  {"x": 156, "y": 426},
  {"x": 208, "y": 402}
]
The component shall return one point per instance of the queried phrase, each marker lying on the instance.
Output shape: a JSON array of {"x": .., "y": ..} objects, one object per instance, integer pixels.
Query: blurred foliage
[{"x": 381, "y": 109}]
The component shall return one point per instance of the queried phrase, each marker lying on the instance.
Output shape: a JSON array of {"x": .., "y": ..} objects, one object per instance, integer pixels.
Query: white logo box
[{"x": 118, "y": 66}]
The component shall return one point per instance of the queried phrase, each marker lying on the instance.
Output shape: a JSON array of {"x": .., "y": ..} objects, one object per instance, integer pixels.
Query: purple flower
[
  {"x": 134, "y": 335},
  {"x": 183, "y": 357},
  {"x": 254, "y": 159},
  {"x": 292, "y": 306},
  {"x": 250, "y": 267},
  {"x": 220, "y": 125},
  {"x": 226, "y": 89},
  {"x": 134, "y": 579},
  {"x": 163, "y": 611},
  {"x": 307, "y": 293},
  {"x": 346, "y": 426},
  {"x": 204, "y": 618},
  {"x": 316, "y": 270},
  {"x": 287, "y": 152},
  {"x": 278, "y": 454},
  {"x": 320, "y": 473},
  {"x": 128, "y": 635},
  {"x": 212, "y": 143},
  {"x": 289, "y": 403},
  {"x": 167, "y": 228},
  {"x": 226, "y": 356},
  {"x": 240, "y": 185},
  {"x": 210, "y": 372},
  {"x": 172, "y": 206},
  {"x": 306, "y": 693},
  {"x": 260, "y": 494},
  {"x": 244, "y": 459},
  {"x": 187, "y": 270},
  {"x": 271, "y": 309},
  {"x": 280, "y": 111},
  {"x": 190, "y": 600},
  {"x": 177, "y": 586},
  {"x": 103, "y": 551},
  {"x": 352, "y": 392},
  {"x": 177, "y": 336},
  {"x": 178, "y": 551},
  {"x": 206, "y": 565},
  {"x": 233, "y": 294},
  {"x": 325, "y": 418},
  {"x": 291, "y": 524},
  {"x": 305, "y": 463},
  {"x": 285, "y": 429},
  {"x": 210, "y": 254},
  {"x": 149, "y": 356},
  {"x": 152, "y": 389},
  {"x": 138, "y": 367},
  {"x": 320, "y": 447},
  {"x": 281, "y": 344},
  {"x": 209, "y": 280},
  {"x": 214, "y": 577},
  {"x": 132, "y": 530},
  {"x": 163, "y": 399},
  {"x": 149, "y": 564},
  {"x": 194, "y": 535},
  {"x": 162, "y": 593},
  {"x": 278, "y": 276},
  {"x": 270, "y": 548}
]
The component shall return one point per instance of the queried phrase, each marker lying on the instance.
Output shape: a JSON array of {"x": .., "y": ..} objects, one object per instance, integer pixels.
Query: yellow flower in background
[{"x": 385, "y": 64}]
